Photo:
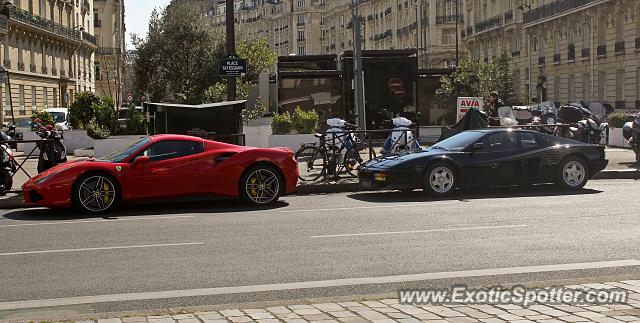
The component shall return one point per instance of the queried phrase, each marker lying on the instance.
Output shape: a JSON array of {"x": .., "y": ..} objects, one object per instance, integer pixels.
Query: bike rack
[{"x": 20, "y": 166}]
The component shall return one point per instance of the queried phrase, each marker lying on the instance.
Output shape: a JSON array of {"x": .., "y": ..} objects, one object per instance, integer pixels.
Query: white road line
[
  {"x": 418, "y": 231},
  {"x": 96, "y": 220},
  {"x": 370, "y": 207},
  {"x": 310, "y": 284},
  {"x": 100, "y": 248}
]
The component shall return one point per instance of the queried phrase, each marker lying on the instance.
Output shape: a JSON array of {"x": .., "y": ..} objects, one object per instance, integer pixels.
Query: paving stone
[
  {"x": 492, "y": 320},
  {"x": 190, "y": 320},
  {"x": 92, "y": 321},
  {"x": 442, "y": 311},
  {"x": 597, "y": 308},
  {"x": 288, "y": 316},
  {"x": 208, "y": 315},
  {"x": 409, "y": 320},
  {"x": 350, "y": 304},
  {"x": 371, "y": 315},
  {"x": 386, "y": 309},
  {"x": 301, "y": 307},
  {"x": 389, "y": 301},
  {"x": 510, "y": 317},
  {"x": 261, "y": 316},
  {"x": 278, "y": 310},
  {"x": 317, "y": 317},
  {"x": 606, "y": 320},
  {"x": 543, "y": 309},
  {"x": 229, "y": 313},
  {"x": 537, "y": 317},
  {"x": 307, "y": 311},
  {"x": 632, "y": 282},
  {"x": 161, "y": 320},
  {"x": 571, "y": 318},
  {"x": 489, "y": 309},
  {"x": 240, "y": 319},
  {"x": 618, "y": 307},
  {"x": 550, "y": 321},
  {"x": 324, "y": 321},
  {"x": 461, "y": 319},
  {"x": 588, "y": 314},
  {"x": 269, "y": 321},
  {"x": 436, "y": 321},
  {"x": 254, "y": 310},
  {"x": 114, "y": 320},
  {"x": 384, "y": 321},
  {"x": 626, "y": 318},
  {"x": 354, "y": 319},
  {"x": 522, "y": 321},
  {"x": 328, "y": 307},
  {"x": 341, "y": 314},
  {"x": 215, "y": 321},
  {"x": 470, "y": 311},
  {"x": 398, "y": 315},
  {"x": 133, "y": 319},
  {"x": 426, "y": 316},
  {"x": 298, "y": 320},
  {"x": 569, "y": 308},
  {"x": 183, "y": 316},
  {"x": 509, "y": 306},
  {"x": 373, "y": 304}
]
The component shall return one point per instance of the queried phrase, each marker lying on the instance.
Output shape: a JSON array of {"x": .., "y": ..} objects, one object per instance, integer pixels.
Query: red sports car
[{"x": 166, "y": 166}]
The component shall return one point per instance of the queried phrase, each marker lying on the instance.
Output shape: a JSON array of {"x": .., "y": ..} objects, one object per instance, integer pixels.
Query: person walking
[{"x": 494, "y": 104}]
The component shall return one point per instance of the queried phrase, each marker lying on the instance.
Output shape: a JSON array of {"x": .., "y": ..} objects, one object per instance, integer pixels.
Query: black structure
[{"x": 204, "y": 120}]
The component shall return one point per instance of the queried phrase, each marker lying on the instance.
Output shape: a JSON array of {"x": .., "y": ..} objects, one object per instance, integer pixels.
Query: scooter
[
  {"x": 7, "y": 164},
  {"x": 401, "y": 139},
  {"x": 631, "y": 132},
  {"x": 53, "y": 152}
]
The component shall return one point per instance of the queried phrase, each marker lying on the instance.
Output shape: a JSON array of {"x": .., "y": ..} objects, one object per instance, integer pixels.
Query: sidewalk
[{"x": 389, "y": 310}]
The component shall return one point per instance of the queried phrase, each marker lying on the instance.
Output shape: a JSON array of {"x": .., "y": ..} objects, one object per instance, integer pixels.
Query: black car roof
[{"x": 489, "y": 130}]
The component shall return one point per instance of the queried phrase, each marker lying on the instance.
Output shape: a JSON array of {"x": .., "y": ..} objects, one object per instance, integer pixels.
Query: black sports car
[{"x": 487, "y": 157}]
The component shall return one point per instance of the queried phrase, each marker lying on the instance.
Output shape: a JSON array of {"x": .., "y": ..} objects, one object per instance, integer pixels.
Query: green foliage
[
  {"x": 281, "y": 124},
  {"x": 136, "y": 122},
  {"x": 218, "y": 92},
  {"x": 96, "y": 131},
  {"x": 473, "y": 79},
  {"x": 45, "y": 119},
  {"x": 618, "y": 119},
  {"x": 254, "y": 112},
  {"x": 259, "y": 57},
  {"x": 82, "y": 108},
  {"x": 305, "y": 121},
  {"x": 105, "y": 116}
]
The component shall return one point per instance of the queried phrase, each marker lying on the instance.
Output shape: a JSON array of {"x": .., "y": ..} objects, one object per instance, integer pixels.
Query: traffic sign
[{"x": 233, "y": 67}]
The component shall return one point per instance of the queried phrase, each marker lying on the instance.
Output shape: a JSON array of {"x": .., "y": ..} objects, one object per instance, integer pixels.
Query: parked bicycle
[{"x": 339, "y": 151}]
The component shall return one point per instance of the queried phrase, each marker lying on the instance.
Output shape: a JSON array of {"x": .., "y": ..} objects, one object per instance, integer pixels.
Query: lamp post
[
  {"x": 528, "y": 7},
  {"x": 358, "y": 76},
  {"x": 457, "y": 36},
  {"x": 231, "y": 47}
]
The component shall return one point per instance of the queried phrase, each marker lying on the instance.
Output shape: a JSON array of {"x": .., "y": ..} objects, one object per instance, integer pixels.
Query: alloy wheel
[
  {"x": 97, "y": 193},
  {"x": 441, "y": 179},
  {"x": 573, "y": 173},
  {"x": 262, "y": 186}
]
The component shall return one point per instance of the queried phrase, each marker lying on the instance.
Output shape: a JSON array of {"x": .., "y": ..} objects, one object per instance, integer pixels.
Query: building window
[
  {"x": 55, "y": 97},
  {"x": 301, "y": 51},
  {"x": 300, "y": 19},
  {"x": 97, "y": 71},
  {"x": 300, "y": 3},
  {"x": 602, "y": 84},
  {"x": 45, "y": 97},
  {"x": 23, "y": 110},
  {"x": 301, "y": 35},
  {"x": 34, "y": 107},
  {"x": 586, "y": 38},
  {"x": 448, "y": 36},
  {"x": 572, "y": 88},
  {"x": 637, "y": 88}
]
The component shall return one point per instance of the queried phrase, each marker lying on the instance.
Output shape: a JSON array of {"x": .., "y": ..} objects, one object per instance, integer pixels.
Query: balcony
[
  {"x": 4, "y": 22},
  {"x": 440, "y": 20},
  {"x": 490, "y": 23},
  {"x": 554, "y": 8},
  {"x": 602, "y": 51},
  {"x": 571, "y": 53},
  {"x": 508, "y": 16},
  {"x": 541, "y": 61},
  {"x": 619, "y": 47},
  {"x": 107, "y": 51},
  {"x": 586, "y": 52},
  {"x": 27, "y": 18}
]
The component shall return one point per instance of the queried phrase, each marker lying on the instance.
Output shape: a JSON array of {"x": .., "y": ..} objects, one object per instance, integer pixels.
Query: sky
[{"x": 137, "y": 14}]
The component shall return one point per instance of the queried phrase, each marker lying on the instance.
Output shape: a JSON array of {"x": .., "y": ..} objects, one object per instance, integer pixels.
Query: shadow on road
[
  {"x": 462, "y": 195},
  {"x": 146, "y": 209}
]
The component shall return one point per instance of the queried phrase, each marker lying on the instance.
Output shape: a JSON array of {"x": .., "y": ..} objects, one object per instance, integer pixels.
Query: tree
[
  {"x": 178, "y": 60},
  {"x": 259, "y": 56},
  {"x": 474, "y": 79},
  {"x": 218, "y": 92}
]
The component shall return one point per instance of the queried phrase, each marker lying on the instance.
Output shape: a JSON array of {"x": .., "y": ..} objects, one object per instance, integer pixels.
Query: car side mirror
[
  {"x": 477, "y": 146},
  {"x": 141, "y": 161}
]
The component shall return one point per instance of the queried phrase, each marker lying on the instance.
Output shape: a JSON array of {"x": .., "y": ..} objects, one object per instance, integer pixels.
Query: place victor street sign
[{"x": 233, "y": 67}]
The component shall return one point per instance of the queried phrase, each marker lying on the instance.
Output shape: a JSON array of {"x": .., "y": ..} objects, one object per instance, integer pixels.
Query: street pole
[
  {"x": 231, "y": 47},
  {"x": 457, "y": 19},
  {"x": 357, "y": 67},
  {"x": 418, "y": 31}
]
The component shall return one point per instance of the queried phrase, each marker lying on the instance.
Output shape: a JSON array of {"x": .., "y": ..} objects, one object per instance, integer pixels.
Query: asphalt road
[{"x": 331, "y": 240}]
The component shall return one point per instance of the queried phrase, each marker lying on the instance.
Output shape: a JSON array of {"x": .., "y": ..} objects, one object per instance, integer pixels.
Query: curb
[
  {"x": 11, "y": 202},
  {"x": 618, "y": 174}
]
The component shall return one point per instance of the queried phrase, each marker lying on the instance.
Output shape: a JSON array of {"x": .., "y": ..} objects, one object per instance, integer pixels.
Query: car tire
[
  {"x": 573, "y": 173},
  {"x": 261, "y": 185},
  {"x": 96, "y": 193},
  {"x": 440, "y": 179}
]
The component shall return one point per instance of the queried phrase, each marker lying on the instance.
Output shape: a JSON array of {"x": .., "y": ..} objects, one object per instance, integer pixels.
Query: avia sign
[{"x": 466, "y": 103}]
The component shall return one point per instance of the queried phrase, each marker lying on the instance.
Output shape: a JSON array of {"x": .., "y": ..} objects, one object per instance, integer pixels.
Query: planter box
[
  {"x": 616, "y": 139},
  {"x": 103, "y": 147},
  {"x": 257, "y": 133},
  {"x": 74, "y": 139},
  {"x": 292, "y": 141}
]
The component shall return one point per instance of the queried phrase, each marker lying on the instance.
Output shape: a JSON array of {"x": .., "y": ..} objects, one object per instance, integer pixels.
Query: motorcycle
[
  {"x": 53, "y": 152},
  {"x": 401, "y": 139},
  {"x": 7, "y": 163},
  {"x": 631, "y": 132},
  {"x": 545, "y": 115},
  {"x": 584, "y": 126}
]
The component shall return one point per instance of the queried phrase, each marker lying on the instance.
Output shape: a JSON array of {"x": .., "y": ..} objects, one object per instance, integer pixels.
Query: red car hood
[{"x": 61, "y": 167}]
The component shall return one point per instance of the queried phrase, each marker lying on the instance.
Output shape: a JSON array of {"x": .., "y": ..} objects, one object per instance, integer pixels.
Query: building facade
[
  {"x": 110, "y": 31},
  {"x": 562, "y": 50},
  {"x": 47, "y": 46},
  {"x": 317, "y": 27}
]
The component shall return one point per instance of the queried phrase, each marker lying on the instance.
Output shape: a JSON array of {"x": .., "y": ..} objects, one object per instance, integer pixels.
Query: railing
[
  {"x": 107, "y": 50},
  {"x": 89, "y": 37},
  {"x": 508, "y": 16},
  {"x": 490, "y": 23},
  {"x": 45, "y": 24},
  {"x": 554, "y": 8},
  {"x": 4, "y": 22},
  {"x": 449, "y": 19},
  {"x": 16, "y": 166}
]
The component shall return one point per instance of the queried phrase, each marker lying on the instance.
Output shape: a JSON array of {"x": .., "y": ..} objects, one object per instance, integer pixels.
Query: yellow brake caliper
[
  {"x": 253, "y": 180},
  {"x": 105, "y": 189}
]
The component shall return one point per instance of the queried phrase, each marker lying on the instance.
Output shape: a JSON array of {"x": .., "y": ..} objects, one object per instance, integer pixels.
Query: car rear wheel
[
  {"x": 261, "y": 185},
  {"x": 573, "y": 173},
  {"x": 440, "y": 179},
  {"x": 96, "y": 193}
]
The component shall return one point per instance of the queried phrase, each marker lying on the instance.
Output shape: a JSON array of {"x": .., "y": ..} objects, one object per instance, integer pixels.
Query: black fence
[{"x": 18, "y": 167}]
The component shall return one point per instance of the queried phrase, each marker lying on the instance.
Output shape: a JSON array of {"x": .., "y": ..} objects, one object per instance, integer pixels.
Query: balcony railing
[
  {"x": 89, "y": 37},
  {"x": 554, "y": 8},
  {"x": 448, "y": 19},
  {"x": 602, "y": 51},
  {"x": 508, "y": 16},
  {"x": 490, "y": 23},
  {"x": 25, "y": 17},
  {"x": 586, "y": 52},
  {"x": 619, "y": 47},
  {"x": 107, "y": 50},
  {"x": 4, "y": 22}
]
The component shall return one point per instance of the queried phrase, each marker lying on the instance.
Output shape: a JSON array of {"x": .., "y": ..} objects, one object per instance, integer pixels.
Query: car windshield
[
  {"x": 459, "y": 141},
  {"x": 23, "y": 123},
  {"x": 58, "y": 117},
  {"x": 120, "y": 155}
]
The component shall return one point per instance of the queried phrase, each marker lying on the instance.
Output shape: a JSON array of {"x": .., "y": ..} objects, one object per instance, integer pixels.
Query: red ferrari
[{"x": 166, "y": 166}]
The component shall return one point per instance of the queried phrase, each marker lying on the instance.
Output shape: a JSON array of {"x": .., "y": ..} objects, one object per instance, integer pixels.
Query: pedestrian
[{"x": 494, "y": 104}]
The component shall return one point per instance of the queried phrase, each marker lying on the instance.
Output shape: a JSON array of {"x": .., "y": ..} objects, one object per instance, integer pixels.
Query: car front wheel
[
  {"x": 96, "y": 193},
  {"x": 440, "y": 179},
  {"x": 261, "y": 185},
  {"x": 573, "y": 173}
]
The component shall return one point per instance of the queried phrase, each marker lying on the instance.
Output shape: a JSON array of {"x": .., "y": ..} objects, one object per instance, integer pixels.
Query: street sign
[
  {"x": 129, "y": 97},
  {"x": 396, "y": 86},
  {"x": 233, "y": 67},
  {"x": 466, "y": 103}
]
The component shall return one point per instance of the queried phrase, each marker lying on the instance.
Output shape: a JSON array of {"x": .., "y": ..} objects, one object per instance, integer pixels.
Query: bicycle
[{"x": 324, "y": 160}]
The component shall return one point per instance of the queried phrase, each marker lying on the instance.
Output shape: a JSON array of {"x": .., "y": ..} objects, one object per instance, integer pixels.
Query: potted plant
[
  {"x": 293, "y": 131},
  {"x": 616, "y": 121}
]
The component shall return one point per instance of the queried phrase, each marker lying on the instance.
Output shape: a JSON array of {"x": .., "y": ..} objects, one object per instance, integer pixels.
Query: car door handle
[{"x": 493, "y": 165}]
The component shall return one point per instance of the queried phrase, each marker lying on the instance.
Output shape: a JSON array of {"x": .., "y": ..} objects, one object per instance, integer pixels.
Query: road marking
[
  {"x": 418, "y": 231},
  {"x": 94, "y": 221},
  {"x": 370, "y": 207},
  {"x": 101, "y": 248},
  {"x": 309, "y": 284}
]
